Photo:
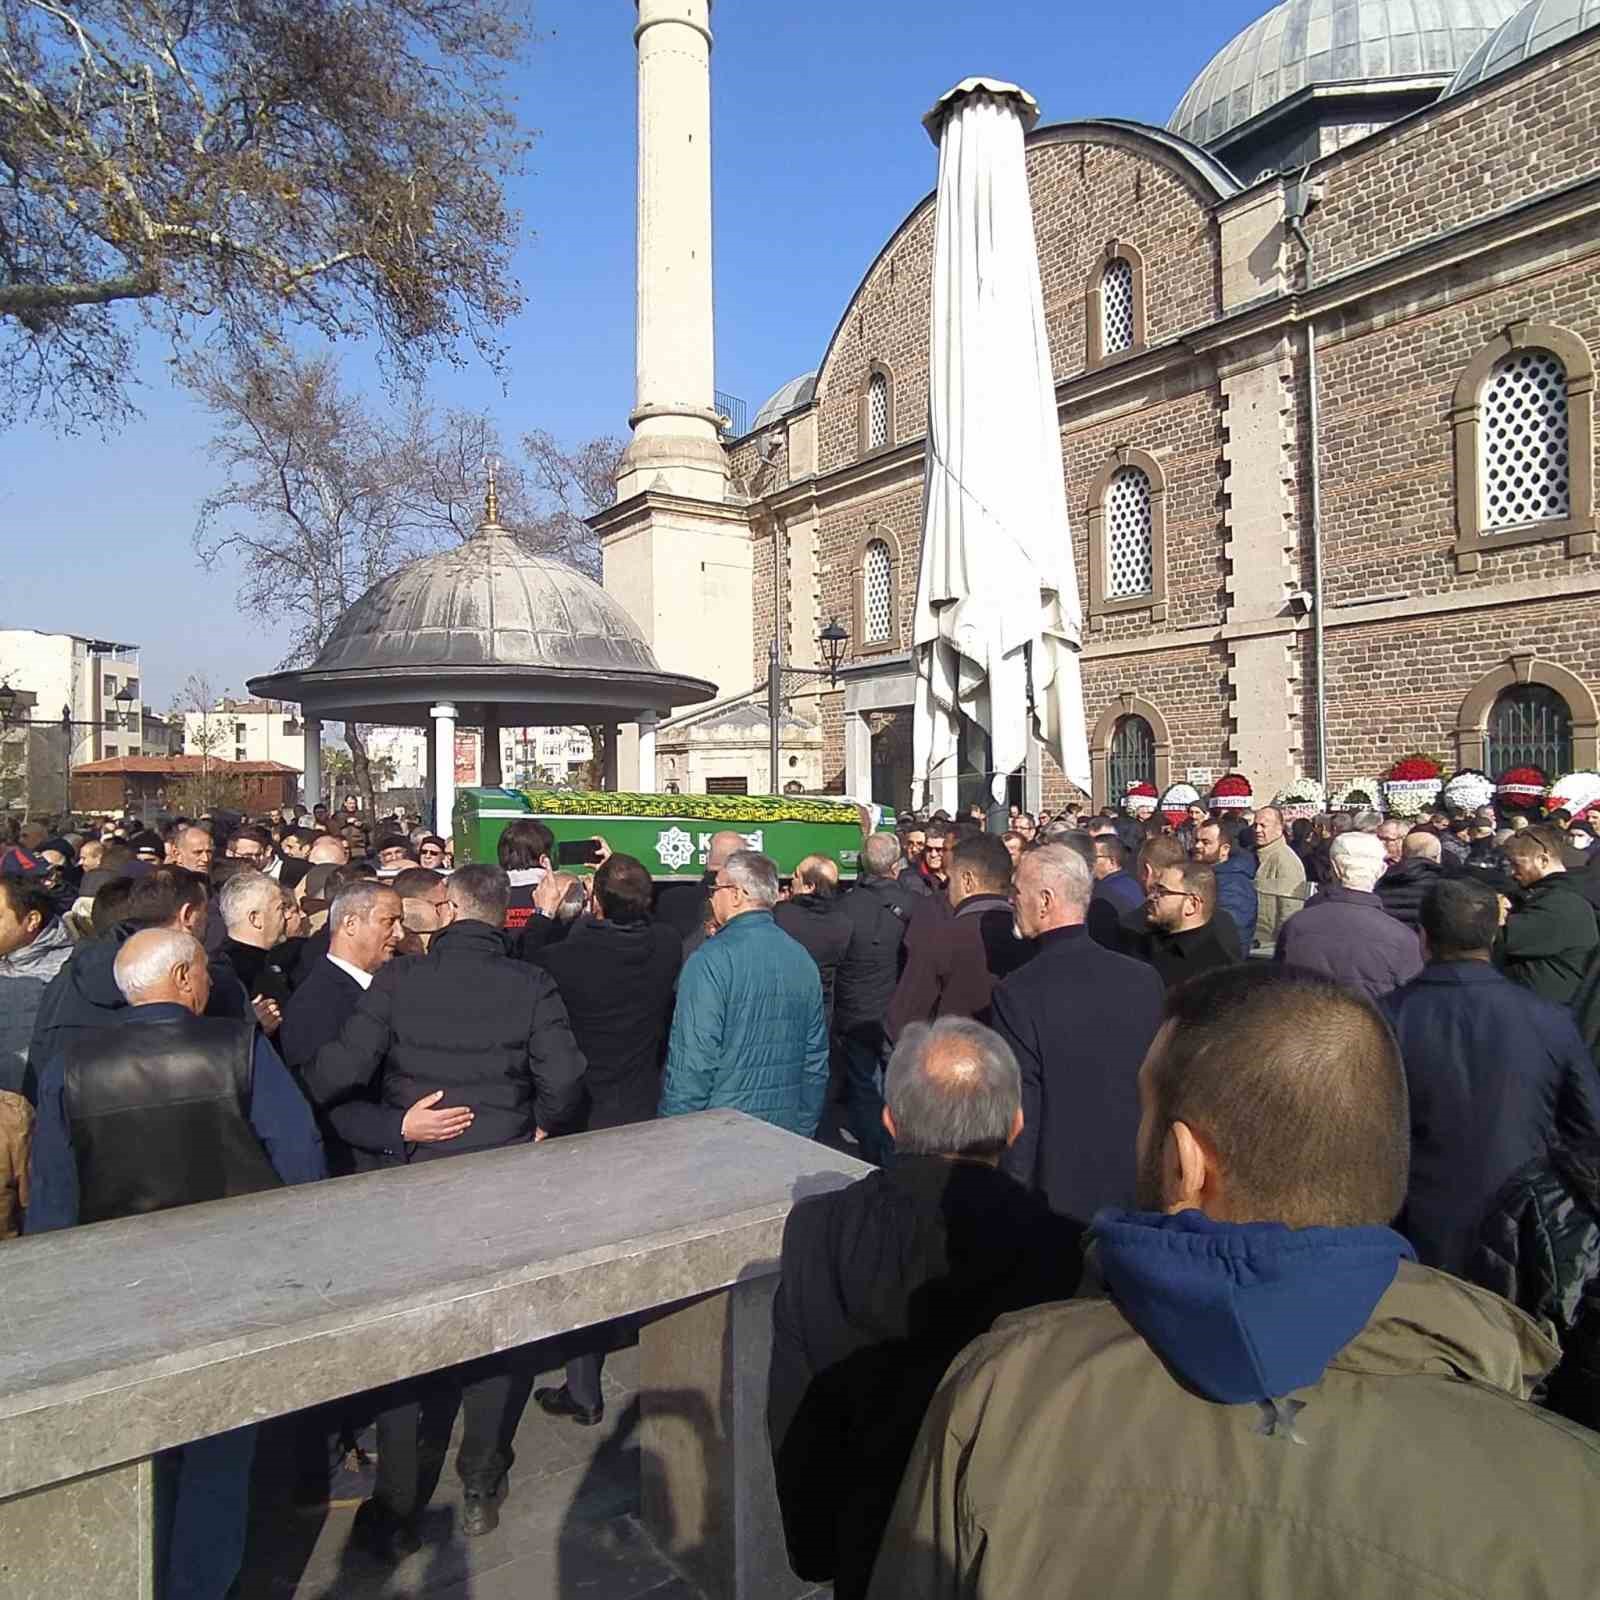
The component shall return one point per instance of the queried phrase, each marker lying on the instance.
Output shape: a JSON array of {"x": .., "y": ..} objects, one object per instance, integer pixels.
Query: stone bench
[{"x": 124, "y": 1339}]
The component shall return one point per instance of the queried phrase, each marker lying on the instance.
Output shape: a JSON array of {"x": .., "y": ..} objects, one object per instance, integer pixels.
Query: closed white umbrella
[{"x": 997, "y": 596}]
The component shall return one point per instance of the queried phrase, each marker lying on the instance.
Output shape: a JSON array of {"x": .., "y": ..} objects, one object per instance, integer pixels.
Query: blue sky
[{"x": 819, "y": 155}]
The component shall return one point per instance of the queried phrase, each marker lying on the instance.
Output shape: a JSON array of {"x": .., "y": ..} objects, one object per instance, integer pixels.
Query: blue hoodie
[
  {"x": 1236, "y": 893},
  {"x": 1244, "y": 1311}
]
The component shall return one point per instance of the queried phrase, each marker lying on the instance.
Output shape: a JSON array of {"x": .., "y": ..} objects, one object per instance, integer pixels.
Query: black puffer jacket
[
  {"x": 1401, "y": 889},
  {"x": 490, "y": 1031},
  {"x": 1540, "y": 1248},
  {"x": 879, "y": 912},
  {"x": 820, "y": 928}
]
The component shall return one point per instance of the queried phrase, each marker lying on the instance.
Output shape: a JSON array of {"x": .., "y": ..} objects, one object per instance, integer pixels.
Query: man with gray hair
[
  {"x": 121, "y": 1119},
  {"x": 883, "y": 1282},
  {"x": 253, "y": 913},
  {"x": 1345, "y": 934},
  {"x": 1079, "y": 1019},
  {"x": 748, "y": 1031},
  {"x": 878, "y": 912},
  {"x": 467, "y": 1029}
]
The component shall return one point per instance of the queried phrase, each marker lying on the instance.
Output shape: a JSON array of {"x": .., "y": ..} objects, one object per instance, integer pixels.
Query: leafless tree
[
  {"x": 241, "y": 168},
  {"x": 198, "y": 711},
  {"x": 567, "y": 488},
  {"x": 324, "y": 496}
]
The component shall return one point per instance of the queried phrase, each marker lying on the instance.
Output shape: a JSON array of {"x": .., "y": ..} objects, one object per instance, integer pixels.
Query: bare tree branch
[{"x": 332, "y": 164}]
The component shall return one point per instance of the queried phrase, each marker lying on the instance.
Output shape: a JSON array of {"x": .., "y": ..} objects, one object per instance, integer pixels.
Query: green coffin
[{"x": 669, "y": 833}]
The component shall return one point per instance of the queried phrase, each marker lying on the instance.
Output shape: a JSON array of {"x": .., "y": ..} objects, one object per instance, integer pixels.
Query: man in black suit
[
  {"x": 882, "y": 1283},
  {"x": 492, "y": 1034},
  {"x": 617, "y": 972},
  {"x": 365, "y": 928},
  {"x": 1080, "y": 1018}
]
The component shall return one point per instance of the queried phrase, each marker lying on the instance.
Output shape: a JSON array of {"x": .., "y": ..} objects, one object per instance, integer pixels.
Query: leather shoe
[
  {"x": 480, "y": 1509},
  {"x": 387, "y": 1538},
  {"x": 559, "y": 1403}
]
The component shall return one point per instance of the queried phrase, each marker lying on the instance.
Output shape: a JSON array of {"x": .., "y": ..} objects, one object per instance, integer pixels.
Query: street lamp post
[
  {"x": 65, "y": 722},
  {"x": 833, "y": 639}
]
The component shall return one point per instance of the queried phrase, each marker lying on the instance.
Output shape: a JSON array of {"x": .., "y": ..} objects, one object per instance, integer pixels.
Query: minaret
[
  {"x": 677, "y": 551},
  {"x": 676, "y": 446}
]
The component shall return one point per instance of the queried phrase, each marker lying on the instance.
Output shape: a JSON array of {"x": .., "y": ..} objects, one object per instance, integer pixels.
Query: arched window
[
  {"x": 1530, "y": 725},
  {"x": 1523, "y": 420},
  {"x": 877, "y": 411},
  {"x": 1116, "y": 306},
  {"x": 1526, "y": 459},
  {"x": 1132, "y": 758},
  {"x": 876, "y": 593},
  {"x": 1129, "y": 558},
  {"x": 1127, "y": 519}
]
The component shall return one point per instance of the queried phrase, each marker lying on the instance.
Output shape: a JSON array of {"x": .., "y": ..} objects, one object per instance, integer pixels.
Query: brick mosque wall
[
  {"x": 1389, "y": 367},
  {"x": 1520, "y": 135}
]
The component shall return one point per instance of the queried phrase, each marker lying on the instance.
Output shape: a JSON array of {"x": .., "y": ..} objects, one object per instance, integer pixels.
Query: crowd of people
[{"x": 1234, "y": 1212}]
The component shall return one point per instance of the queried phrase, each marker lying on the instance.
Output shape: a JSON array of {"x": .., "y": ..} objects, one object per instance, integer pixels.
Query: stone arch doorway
[
  {"x": 1106, "y": 753},
  {"x": 1518, "y": 708}
]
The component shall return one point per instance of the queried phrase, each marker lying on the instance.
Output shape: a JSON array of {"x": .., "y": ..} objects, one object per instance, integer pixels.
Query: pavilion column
[
  {"x": 490, "y": 770},
  {"x": 647, "y": 753},
  {"x": 608, "y": 757},
  {"x": 313, "y": 760},
  {"x": 444, "y": 767},
  {"x": 425, "y": 802}
]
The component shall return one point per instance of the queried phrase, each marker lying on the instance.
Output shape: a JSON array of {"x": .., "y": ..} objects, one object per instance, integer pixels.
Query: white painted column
[
  {"x": 674, "y": 421},
  {"x": 857, "y": 755},
  {"x": 313, "y": 760},
  {"x": 429, "y": 767},
  {"x": 647, "y": 754},
  {"x": 444, "y": 768}
]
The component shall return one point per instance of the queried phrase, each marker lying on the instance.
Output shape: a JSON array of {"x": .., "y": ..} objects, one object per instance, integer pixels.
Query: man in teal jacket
[{"x": 748, "y": 1031}]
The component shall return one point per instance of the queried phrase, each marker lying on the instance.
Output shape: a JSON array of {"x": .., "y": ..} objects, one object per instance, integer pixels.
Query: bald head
[
  {"x": 329, "y": 852},
  {"x": 1423, "y": 846},
  {"x": 722, "y": 846},
  {"x": 952, "y": 1089},
  {"x": 163, "y": 966},
  {"x": 816, "y": 875}
]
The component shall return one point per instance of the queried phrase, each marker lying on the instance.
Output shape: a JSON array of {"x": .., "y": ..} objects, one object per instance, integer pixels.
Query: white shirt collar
[{"x": 363, "y": 978}]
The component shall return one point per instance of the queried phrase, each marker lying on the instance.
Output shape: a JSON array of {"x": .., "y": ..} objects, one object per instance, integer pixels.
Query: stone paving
[{"x": 569, "y": 1526}]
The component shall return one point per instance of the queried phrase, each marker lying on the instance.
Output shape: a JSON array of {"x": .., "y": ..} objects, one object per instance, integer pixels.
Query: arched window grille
[
  {"x": 1129, "y": 542},
  {"x": 1116, "y": 306},
  {"x": 1530, "y": 725},
  {"x": 1133, "y": 756},
  {"x": 876, "y": 578},
  {"x": 877, "y": 411},
  {"x": 1526, "y": 454}
]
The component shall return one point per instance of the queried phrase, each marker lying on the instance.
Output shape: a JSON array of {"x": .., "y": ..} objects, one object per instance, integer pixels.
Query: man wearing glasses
[
  {"x": 926, "y": 875},
  {"x": 431, "y": 851},
  {"x": 1180, "y": 904}
]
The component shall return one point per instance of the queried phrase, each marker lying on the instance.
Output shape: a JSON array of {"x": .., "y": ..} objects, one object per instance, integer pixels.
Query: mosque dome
[
  {"x": 489, "y": 602},
  {"x": 1302, "y": 43},
  {"x": 794, "y": 394},
  {"x": 1539, "y": 25}
]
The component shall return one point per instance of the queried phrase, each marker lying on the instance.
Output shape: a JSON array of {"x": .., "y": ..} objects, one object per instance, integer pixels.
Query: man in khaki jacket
[
  {"x": 1273, "y": 1399},
  {"x": 1280, "y": 877}
]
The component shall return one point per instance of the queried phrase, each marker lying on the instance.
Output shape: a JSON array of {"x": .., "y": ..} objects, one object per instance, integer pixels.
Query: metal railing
[{"x": 733, "y": 408}]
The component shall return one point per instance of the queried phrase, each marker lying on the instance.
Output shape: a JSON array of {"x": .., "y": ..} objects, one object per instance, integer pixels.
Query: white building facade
[
  {"x": 247, "y": 730},
  {"x": 94, "y": 683}
]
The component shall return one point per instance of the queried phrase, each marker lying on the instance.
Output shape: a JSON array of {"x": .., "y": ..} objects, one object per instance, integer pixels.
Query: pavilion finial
[{"x": 491, "y": 499}]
